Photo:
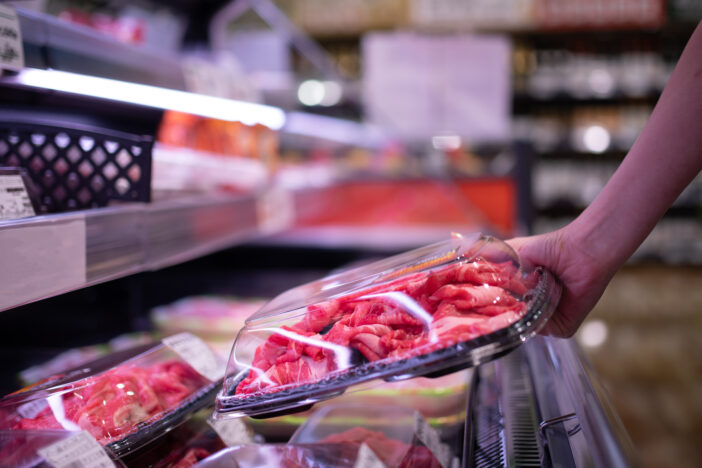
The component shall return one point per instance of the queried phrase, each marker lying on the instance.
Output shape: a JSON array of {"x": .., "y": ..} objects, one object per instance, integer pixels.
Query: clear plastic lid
[
  {"x": 350, "y": 452},
  {"x": 283, "y": 456},
  {"x": 394, "y": 422},
  {"x": 123, "y": 400},
  {"x": 398, "y": 435},
  {"x": 335, "y": 436},
  {"x": 430, "y": 311}
]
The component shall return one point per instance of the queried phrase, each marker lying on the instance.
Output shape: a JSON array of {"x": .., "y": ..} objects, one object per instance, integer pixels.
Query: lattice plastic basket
[{"x": 78, "y": 167}]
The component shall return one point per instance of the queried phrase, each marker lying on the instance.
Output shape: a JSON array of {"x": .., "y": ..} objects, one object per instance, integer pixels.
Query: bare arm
[{"x": 664, "y": 159}]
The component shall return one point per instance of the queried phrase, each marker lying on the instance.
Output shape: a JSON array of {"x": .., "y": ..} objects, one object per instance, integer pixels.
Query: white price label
[
  {"x": 32, "y": 409},
  {"x": 14, "y": 199},
  {"x": 276, "y": 211},
  {"x": 195, "y": 352},
  {"x": 367, "y": 458},
  {"x": 231, "y": 431},
  {"x": 11, "y": 49},
  {"x": 45, "y": 258},
  {"x": 430, "y": 438},
  {"x": 78, "y": 451}
]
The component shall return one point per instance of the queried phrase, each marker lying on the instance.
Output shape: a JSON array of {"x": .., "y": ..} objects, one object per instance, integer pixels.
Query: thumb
[{"x": 532, "y": 251}]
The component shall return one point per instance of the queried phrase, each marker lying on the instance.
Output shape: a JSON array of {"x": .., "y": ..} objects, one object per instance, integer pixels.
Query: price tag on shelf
[
  {"x": 78, "y": 451},
  {"x": 367, "y": 458},
  {"x": 41, "y": 258},
  {"x": 11, "y": 48},
  {"x": 14, "y": 199},
  {"x": 231, "y": 431},
  {"x": 195, "y": 352},
  {"x": 276, "y": 210}
]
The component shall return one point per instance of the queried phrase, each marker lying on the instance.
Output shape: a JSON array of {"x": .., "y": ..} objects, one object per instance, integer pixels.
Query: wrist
[{"x": 585, "y": 236}]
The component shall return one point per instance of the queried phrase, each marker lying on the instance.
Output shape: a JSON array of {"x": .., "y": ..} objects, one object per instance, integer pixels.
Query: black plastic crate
[{"x": 78, "y": 167}]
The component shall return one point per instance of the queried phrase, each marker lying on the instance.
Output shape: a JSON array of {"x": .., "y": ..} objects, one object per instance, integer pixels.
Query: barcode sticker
[
  {"x": 430, "y": 438},
  {"x": 14, "y": 199},
  {"x": 231, "y": 431},
  {"x": 32, "y": 409},
  {"x": 195, "y": 352},
  {"x": 78, "y": 451},
  {"x": 367, "y": 458},
  {"x": 11, "y": 48}
]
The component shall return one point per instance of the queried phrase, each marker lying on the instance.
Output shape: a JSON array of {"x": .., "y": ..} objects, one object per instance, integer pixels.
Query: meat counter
[{"x": 542, "y": 406}]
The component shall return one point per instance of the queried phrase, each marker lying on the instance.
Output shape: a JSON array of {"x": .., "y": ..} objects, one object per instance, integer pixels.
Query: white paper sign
[
  {"x": 431, "y": 439},
  {"x": 11, "y": 49},
  {"x": 231, "y": 431},
  {"x": 78, "y": 451},
  {"x": 367, "y": 458},
  {"x": 14, "y": 199},
  {"x": 40, "y": 259},
  {"x": 195, "y": 352},
  {"x": 419, "y": 86}
]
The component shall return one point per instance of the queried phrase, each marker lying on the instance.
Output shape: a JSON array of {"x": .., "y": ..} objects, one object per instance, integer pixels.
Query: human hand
[{"x": 583, "y": 276}]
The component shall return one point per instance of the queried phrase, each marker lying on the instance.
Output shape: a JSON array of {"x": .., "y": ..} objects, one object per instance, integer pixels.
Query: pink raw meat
[
  {"x": 393, "y": 453},
  {"x": 112, "y": 404},
  {"x": 406, "y": 317}
]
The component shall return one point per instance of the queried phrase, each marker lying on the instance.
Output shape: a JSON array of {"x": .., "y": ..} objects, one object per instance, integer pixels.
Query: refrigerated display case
[
  {"x": 105, "y": 244},
  {"x": 542, "y": 405}
]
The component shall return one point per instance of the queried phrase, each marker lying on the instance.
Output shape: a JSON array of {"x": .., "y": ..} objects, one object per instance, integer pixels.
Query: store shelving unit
[
  {"x": 56, "y": 253},
  {"x": 93, "y": 246},
  {"x": 50, "y": 43}
]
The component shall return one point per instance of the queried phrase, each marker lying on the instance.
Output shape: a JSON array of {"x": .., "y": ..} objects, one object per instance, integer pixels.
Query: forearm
[{"x": 663, "y": 161}]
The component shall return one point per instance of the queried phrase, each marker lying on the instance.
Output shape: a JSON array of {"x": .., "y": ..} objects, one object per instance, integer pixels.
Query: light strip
[{"x": 152, "y": 96}]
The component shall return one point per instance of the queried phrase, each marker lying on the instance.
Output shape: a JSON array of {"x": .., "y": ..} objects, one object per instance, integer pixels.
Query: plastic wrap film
[
  {"x": 427, "y": 312},
  {"x": 123, "y": 400},
  {"x": 397, "y": 435}
]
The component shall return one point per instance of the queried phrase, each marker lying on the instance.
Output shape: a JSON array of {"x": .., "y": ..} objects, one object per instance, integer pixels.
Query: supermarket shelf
[
  {"x": 523, "y": 102},
  {"x": 569, "y": 154},
  {"x": 54, "y": 254},
  {"x": 50, "y": 43}
]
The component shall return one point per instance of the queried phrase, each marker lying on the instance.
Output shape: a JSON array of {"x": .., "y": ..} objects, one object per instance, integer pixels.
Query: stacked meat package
[
  {"x": 117, "y": 404},
  {"x": 335, "y": 361}
]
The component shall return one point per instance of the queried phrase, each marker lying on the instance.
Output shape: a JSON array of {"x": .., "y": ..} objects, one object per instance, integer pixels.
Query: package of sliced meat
[
  {"x": 215, "y": 319},
  {"x": 123, "y": 400},
  {"x": 427, "y": 312},
  {"x": 399, "y": 436},
  {"x": 349, "y": 436},
  {"x": 212, "y": 318}
]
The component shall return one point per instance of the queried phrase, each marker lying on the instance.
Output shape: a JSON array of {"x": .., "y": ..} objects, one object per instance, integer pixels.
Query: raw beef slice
[{"x": 404, "y": 318}]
